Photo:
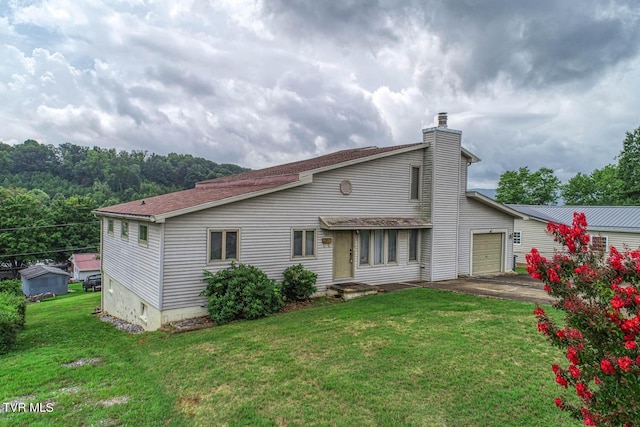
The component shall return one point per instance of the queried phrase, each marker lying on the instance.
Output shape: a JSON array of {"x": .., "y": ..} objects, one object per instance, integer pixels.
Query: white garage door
[{"x": 487, "y": 253}]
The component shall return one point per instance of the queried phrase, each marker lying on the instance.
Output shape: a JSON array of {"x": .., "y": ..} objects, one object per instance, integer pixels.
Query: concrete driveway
[{"x": 518, "y": 287}]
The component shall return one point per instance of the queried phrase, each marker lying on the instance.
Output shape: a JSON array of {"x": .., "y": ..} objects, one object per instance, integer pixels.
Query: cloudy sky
[{"x": 529, "y": 83}]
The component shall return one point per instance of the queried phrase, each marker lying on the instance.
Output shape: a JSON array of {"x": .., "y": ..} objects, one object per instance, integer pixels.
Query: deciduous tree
[{"x": 528, "y": 188}]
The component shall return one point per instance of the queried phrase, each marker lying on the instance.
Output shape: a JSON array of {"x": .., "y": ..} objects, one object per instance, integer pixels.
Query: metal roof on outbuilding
[
  {"x": 605, "y": 218},
  {"x": 39, "y": 270}
]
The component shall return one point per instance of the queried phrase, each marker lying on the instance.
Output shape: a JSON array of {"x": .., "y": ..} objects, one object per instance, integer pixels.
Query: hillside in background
[{"x": 106, "y": 175}]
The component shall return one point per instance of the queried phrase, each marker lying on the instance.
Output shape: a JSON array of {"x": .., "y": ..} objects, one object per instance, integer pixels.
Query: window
[
  {"x": 600, "y": 243},
  {"x": 517, "y": 237},
  {"x": 143, "y": 312},
  {"x": 415, "y": 183},
  {"x": 143, "y": 233},
  {"x": 365, "y": 239},
  {"x": 413, "y": 245},
  {"x": 223, "y": 245},
  {"x": 381, "y": 246},
  {"x": 378, "y": 246},
  {"x": 304, "y": 243},
  {"x": 124, "y": 230},
  {"x": 110, "y": 226},
  {"x": 392, "y": 246}
]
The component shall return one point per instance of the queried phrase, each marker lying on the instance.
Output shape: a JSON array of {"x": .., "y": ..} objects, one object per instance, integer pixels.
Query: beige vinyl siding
[
  {"x": 379, "y": 188},
  {"x": 534, "y": 235},
  {"x": 476, "y": 217},
  {"x": 445, "y": 159},
  {"x": 135, "y": 266}
]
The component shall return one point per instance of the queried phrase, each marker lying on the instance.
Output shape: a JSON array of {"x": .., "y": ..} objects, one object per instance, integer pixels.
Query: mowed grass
[{"x": 418, "y": 357}]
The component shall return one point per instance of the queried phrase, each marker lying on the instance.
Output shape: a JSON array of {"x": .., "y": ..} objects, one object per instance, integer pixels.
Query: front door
[{"x": 342, "y": 254}]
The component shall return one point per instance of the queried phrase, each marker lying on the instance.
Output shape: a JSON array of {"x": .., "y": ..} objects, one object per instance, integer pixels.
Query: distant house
[
  {"x": 39, "y": 279},
  {"x": 608, "y": 226},
  {"x": 83, "y": 265},
  {"x": 373, "y": 215}
]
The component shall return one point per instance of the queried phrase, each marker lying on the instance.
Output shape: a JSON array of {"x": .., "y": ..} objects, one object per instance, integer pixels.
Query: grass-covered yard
[{"x": 418, "y": 357}]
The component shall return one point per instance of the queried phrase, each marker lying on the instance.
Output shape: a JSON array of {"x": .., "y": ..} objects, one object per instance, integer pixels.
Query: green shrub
[
  {"x": 241, "y": 292},
  {"x": 13, "y": 287},
  {"x": 298, "y": 282},
  {"x": 12, "y": 317}
]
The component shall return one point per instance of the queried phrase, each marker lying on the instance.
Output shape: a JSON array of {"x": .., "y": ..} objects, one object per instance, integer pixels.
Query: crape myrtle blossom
[{"x": 600, "y": 298}]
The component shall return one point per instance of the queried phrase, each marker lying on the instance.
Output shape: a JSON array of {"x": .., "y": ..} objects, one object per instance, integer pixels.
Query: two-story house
[{"x": 372, "y": 215}]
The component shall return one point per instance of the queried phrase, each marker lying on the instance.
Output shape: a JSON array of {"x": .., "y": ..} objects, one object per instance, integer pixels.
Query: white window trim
[
  {"x": 418, "y": 240},
  {"x": 224, "y": 244},
  {"x": 419, "y": 167},
  {"x": 144, "y": 242},
  {"x": 123, "y": 225},
  {"x": 304, "y": 243},
  {"x": 385, "y": 249},
  {"x": 110, "y": 226},
  {"x": 519, "y": 237}
]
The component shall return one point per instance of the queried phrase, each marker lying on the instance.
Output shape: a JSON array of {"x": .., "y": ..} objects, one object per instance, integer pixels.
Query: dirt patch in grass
[
  {"x": 118, "y": 400},
  {"x": 82, "y": 362}
]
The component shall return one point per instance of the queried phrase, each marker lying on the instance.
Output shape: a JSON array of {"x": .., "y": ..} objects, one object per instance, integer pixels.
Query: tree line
[
  {"x": 613, "y": 185},
  {"x": 106, "y": 175},
  {"x": 47, "y": 194}
]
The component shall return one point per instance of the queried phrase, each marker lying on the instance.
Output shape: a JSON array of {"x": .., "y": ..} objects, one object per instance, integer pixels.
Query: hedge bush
[
  {"x": 13, "y": 287},
  {"x": 241, "y": 292},
  {"x": 12, "y": 318},
  {"x": 298, "y": 283}
]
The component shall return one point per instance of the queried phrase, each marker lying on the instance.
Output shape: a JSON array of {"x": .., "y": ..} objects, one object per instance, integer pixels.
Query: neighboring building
[
  {"x": 608, "y": 226},
  {"x": 373, "y": 215},
  {"x": 39, "y": 279},
  {"x": 83, "y": 265}
]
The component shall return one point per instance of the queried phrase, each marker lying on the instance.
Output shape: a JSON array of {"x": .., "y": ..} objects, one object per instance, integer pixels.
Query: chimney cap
[{"x": 442, "y": 120}]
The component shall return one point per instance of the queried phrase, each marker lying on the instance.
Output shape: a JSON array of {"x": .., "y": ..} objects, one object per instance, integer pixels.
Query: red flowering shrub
[{"x": 601, "y": 301}]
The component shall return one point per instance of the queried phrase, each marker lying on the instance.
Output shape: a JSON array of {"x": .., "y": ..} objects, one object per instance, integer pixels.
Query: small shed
[
  {"x": 83, "y": 265},
  {"x": 39, "y": 279}
]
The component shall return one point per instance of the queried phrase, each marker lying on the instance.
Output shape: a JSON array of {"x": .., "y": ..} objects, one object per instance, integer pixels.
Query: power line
[
  {"x": 47, "y": 226},
  {"x": 48, "y": 252}
]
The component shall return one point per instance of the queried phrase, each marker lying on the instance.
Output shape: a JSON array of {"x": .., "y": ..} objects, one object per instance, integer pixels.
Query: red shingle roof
[
  {"x": 240, "y": 184},
  {"x": 86, "y": 262}
]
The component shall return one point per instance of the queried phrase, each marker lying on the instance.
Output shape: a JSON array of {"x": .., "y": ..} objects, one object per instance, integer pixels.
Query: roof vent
[
  {"x": 142, "y": 202},
  {"x": 442, "y": 120}
]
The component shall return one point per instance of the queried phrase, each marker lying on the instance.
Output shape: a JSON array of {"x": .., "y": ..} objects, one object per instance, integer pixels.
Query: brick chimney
[{"x": 442, "y": 120}]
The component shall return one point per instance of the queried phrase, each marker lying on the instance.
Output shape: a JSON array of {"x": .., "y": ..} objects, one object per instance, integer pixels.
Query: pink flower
[
  {"x": 539, "y": 311},
  {"x": 562, "y": 381},
  {"x": 607, "y": 367},
  {"x": 574, "y": 371},
  {"x": 625, "y": 363},
  {"x": 572, "y": 355}
]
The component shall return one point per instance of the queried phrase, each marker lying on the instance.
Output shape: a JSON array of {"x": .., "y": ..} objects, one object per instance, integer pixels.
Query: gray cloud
[{"x": 259, "y": 83}]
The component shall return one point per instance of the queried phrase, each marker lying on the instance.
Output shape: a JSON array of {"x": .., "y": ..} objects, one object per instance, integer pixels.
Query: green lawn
[{"x": 418, "y": 358}]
